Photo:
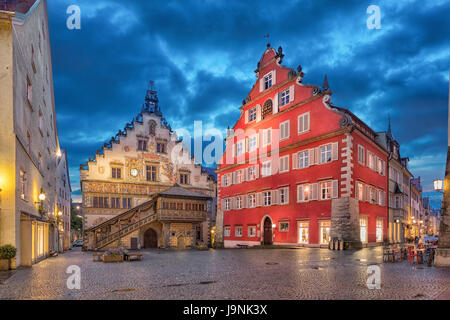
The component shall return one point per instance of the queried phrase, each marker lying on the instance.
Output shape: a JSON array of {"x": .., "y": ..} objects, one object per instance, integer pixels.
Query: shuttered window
[
  {"x": 283, "y": 195},
  {"x": 284, "y": 164},
  {"x": 361, "y": 154},
  {"x": 284, "y": 130},
  {"x": 303, "y": 123}
]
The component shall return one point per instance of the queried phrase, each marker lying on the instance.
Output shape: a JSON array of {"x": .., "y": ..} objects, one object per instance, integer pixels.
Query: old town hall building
[
  {"x": 298, "y": 170},
  {"x": 142, "y": 191}
]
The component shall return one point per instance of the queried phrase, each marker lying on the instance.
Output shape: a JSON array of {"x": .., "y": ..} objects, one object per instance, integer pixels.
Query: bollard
[{"x": 341, "y": 247}]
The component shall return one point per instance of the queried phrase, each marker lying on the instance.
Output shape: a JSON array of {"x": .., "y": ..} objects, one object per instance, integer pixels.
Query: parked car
[{"x": 77, "y": 243}]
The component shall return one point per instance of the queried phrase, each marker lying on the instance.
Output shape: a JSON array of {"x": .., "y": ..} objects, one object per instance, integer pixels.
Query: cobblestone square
[{"x": 230, "y": 274}]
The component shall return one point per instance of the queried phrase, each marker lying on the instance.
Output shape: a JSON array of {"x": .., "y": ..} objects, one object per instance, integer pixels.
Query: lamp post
[{"x": 58, "y": 221}]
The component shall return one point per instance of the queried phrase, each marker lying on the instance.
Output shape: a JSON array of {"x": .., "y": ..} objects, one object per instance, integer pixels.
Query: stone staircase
[{"x": 145, "y": 216}]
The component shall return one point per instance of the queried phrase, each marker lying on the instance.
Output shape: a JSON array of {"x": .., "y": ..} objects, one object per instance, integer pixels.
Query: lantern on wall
[{"x": 438, "y": 184}]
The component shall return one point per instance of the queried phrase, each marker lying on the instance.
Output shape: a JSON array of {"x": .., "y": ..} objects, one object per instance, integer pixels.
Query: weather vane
[{"x": 151, "y": 84}]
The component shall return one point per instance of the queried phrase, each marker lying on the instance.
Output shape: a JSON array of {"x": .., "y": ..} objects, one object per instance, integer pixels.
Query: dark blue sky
[{"x": 202, "y": 54}]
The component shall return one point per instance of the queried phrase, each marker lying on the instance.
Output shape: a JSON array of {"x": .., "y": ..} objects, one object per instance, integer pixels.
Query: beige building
[
  {"x": 399, "y": 188},
  {"x": 64, "y": 202},
  {"x": 133, "y": 170},
  {"x": 29, "y": 146}
]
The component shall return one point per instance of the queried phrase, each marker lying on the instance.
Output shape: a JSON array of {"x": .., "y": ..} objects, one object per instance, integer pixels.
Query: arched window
[
  {"x": 267, "y": 108},
  {"x": 152, "y": 127}
]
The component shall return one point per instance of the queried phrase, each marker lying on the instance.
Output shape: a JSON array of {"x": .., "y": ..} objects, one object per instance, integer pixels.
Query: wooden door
[
  {"x": 150, "y": 239},
  {"x": 267, "y": 231}
]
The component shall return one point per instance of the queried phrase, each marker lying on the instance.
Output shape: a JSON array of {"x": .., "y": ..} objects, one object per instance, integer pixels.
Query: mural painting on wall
[{"x": 170, "y": 171}]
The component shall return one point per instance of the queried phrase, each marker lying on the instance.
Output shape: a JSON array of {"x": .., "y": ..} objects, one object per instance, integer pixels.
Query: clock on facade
[{"x": 134, "y": 172}]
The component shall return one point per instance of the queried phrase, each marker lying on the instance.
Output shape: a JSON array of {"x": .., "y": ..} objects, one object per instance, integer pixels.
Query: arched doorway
[
  {"x": 150, "y": 239},
  {"x": 267, "y": 231}
]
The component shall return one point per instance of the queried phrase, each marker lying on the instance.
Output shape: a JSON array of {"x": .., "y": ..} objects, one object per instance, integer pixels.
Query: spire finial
[
  {"x": 267, "y": 36},
  {"x": 325, "y": 83}
]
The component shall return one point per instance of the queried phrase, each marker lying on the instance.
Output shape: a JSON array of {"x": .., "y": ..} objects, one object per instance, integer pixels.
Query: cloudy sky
[{"x": 202, "y": 54}]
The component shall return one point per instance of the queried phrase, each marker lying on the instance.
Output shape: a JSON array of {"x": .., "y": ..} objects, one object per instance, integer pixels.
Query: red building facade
[{"x": 298, "y": 170}]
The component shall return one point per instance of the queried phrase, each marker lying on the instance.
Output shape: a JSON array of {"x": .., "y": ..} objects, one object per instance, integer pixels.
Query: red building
[{"x": 299, "y": 170}]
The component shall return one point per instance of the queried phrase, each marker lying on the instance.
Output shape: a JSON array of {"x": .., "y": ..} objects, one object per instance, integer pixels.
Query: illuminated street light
[
  {"x": 58, "y": 153},
  {"x": 60, "y": 213},
  {"x": 438, "y": 185},
  {"x": 274, "y": 226}
]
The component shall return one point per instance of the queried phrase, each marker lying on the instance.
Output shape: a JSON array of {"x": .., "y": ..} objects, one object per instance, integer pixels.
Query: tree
[{"x": 76, "y": 223}]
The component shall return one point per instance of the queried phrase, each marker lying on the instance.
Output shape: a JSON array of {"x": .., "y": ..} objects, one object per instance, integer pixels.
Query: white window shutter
[
  {"x": 316, "y": 155},
  {"x": 259, "y": 199},
  {"x": 222, "y": 204},
  {"x": 311, "y": 157},
  {"x": 300, "y": 193},
  {"x": 257, "y": 171},
  {"x": 246, "y": 117},
  {"x": 335, "y": 151},
  {"x": 261, "y": 84},
  {"x": 291, "y": 93},
  {"x": 286, "y": 163},
  {"x": 243, "y": 175},
  {"x": 315, "y": 191},
  {"x": 295, "y": 161},
  {"x": 366, "y": 193},
  {"x": 275, "y": 103},
  {"x": 275, "y": 196},
  {"x": 300, "y": 124},
  {"x": 306, "y": 122},
  {"x": 246, "y": 145},
  {"x": 274, "y": 77},
  {"x": 258, "y": 113},
  {"x": 244, "y": 201},
  {"x": 368, "y": 157},
  {"x": 334, "y": 189}
]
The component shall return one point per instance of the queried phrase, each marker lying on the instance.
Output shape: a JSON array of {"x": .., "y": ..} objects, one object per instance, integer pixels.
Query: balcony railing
[
  {"x": 181, "y": 215},
  {"x": 21, "y": 6}
]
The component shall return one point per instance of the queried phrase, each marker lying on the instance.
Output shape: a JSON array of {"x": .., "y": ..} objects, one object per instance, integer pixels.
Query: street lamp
[{"x": 438, "y": 185}]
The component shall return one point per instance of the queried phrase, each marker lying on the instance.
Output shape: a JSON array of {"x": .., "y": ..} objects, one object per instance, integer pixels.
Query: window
[
  {"x": 151, "y": 173},
  {"x": 268, "y": 81},
  {"x": 161, "y": 147},
  {"x": 239, "y": 176},
  {"x": 115, "y": 203},
  {"x": 238, "y": 231},
  {"x": 240, "y": 148},
  {"x": 252, "y": 173},
  {"x": 252, "y": 114},
  {"x": 227, "y": 231},
  {"x": 379, "y": 231},
  {"x": 267, "y": 137},
  {"x": 284, "y": 226},
  {"x": 226, "y": 180},
  {"x": 303, "y": 232},
  {"x": 252, "y": 143},
  {"x": 370, "y": 162},
  {"x": 303, "y": 123},
  {"x": 126, "y": 203},
  {"x": 227, "y": 204},
  {"x": 285, "y": 97},
  {"x": 363, "y": 229},
  {"x": 284, "y": 130},
  {"x": 23, "y": 183},
  {"x": 380, "y": 166},
  {"x": 184, "y": 178},
  {"x": 361, "y": 154},
  {"x": 116, "y": 173},
  {"x": 360, "y": 191},
  {"x": 284, "y": 195},
  {"x": 325, "y": 153},
  {"x": 251, "y": 231},
  {"x": 325, "y": 232},
  {"x": 142, "y": 145},
  {"x": 303, "y": 159},
  {"x": 251, "y": 200},
  {"x": 267, "y": 198},
  {"x": 41, "y": 122},
  {"x": 266, "y": 169},
  {"x": 284, "y": 164},
  {"x": 101, "y": 202},
  {"x": 303, "y": 193},
  {"x": 325, "y": 190},
  {"x": 373, "y": 195},
  {"x": 238, "y": 202}
]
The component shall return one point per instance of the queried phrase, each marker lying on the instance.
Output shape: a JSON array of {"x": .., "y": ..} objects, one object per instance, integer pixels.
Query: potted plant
[
  {"x": 7, "y": 253},
  {"x": 114, "y": 255}
]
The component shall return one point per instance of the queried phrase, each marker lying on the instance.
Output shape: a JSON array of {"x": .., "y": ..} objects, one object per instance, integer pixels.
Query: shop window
[
  {"x": 325, "y": 227},
  {"x": 284, "y": 226},
  {"x": 303, "y": 232}
]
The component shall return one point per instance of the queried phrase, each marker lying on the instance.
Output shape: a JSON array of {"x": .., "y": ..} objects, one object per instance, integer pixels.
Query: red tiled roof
[{"x": 21, "y": 6}]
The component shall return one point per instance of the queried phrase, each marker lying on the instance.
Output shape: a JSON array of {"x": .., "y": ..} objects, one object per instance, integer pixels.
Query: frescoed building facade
[
  {"x": 299, "y": 170},
  {"x": 144, "y": 190}
]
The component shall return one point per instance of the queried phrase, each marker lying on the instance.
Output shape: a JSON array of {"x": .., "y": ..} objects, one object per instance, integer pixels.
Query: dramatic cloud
[{"x": 201, "y": 55}]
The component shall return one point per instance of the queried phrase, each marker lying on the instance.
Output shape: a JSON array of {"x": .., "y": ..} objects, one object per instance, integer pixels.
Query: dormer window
[
  {"x": 252, "y": 114},
  {"x": 268, "y": 81}
]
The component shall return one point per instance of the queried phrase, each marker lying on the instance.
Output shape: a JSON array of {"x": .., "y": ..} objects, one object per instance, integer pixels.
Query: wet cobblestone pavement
[{"x": 230, "y": 274}]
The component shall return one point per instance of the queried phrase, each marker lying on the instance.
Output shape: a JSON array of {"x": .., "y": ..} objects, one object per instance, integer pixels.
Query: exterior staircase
[{"x": 145, "y": 212}]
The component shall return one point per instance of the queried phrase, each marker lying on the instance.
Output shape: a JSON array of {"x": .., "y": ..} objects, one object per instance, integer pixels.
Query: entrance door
[
  {"x": 267, "y": 231},
  {"x": 150, "y": 239},
  {"x": 181, "y": 243}
]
